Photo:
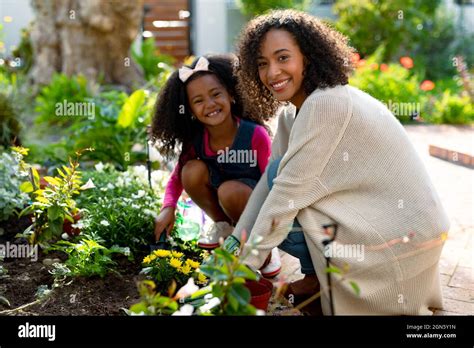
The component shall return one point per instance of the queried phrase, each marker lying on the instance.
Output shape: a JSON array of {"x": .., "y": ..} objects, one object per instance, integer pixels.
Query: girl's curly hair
[
  {"x": 172, "y": 124},
  {"x": 328, "y": 57}
]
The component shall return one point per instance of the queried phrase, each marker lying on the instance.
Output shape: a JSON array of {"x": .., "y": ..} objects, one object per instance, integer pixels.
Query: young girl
[
  {"x": 224, "y": 151},
  {"x": 339, "y": 158}
]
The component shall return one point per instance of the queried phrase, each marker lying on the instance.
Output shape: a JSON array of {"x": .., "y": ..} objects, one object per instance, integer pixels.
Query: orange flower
[
  {"x": 406, "y": 62},
  {"x": 383, "y": 67},
  {"x": 427, "y": 85},
  {"x": 355, "y": 57},
  {"x": 374, "y": 66},
  {"x": 361, "y": 63}
]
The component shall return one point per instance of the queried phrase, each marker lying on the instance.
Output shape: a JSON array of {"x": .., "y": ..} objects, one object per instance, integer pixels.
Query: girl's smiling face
[
  {"x": 209, "y": 100},
  {"x": 281, "y": 66}
]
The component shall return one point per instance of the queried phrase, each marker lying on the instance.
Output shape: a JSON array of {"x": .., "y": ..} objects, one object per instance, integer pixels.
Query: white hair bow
[{"x": 185, "y": 72}]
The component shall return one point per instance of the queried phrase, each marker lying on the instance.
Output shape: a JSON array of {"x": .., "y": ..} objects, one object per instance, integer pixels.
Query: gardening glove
[{"x": 231, "y": 244}]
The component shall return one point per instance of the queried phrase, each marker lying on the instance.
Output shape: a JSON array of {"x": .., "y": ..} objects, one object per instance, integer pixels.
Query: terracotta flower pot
[
  {"x": 261, "y": 291},
  {"x": 67, "y": 226}
]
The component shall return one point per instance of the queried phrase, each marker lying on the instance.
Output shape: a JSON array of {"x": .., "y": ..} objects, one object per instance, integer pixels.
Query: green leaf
[
  {"x": 245, "y": 272},
  {"x": 36, "y": 177},
  {"x": 54, "y": 212},
  {"x": 355, "y": 287},
  {"x": 224, "y": 254},
  {"x": 52, "y": 181},
  {"x": 26, "y": 187},
  {"x": 130, "y": 109},
  {"x": 241, "y": 293},
  {"x": 333, "y": 270}
]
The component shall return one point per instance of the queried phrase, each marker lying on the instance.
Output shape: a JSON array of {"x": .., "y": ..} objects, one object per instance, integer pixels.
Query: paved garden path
[{"x": 456, "y": 188}]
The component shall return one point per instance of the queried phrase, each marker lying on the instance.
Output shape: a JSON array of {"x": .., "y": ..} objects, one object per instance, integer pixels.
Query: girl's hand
[{"x": 164, "y": 221}]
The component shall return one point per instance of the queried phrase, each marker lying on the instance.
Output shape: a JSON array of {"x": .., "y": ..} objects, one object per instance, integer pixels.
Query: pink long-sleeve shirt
[{"x": 260, "y": 141}]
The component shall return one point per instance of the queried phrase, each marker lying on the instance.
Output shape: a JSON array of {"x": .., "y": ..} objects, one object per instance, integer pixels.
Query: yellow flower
[
  {"x": 149, "y": 258},
  {"x": 177, "y": 254},
  {"x": 202, "y": 278},
  {"x": 162, "y": 253},
  {"x": 193, "y": 263},
  {"x": 174, "y": 262},
  {"x": 186, "y": 269}
]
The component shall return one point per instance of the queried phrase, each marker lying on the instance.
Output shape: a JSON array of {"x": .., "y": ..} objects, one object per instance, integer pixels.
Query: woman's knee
[{"x": 194, "y": 173}]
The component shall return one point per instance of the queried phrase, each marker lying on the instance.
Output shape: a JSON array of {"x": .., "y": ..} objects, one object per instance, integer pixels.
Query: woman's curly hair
[
  {"x": 328, "y": 57},
  {"x": 172, "y": 124}
]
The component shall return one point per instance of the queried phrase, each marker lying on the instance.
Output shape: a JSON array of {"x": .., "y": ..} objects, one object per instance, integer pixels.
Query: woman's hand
[{"x": 164, "y": 221}]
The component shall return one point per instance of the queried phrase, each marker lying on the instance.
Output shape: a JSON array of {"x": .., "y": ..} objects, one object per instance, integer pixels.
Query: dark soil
[{"x": 77, "y": 296}]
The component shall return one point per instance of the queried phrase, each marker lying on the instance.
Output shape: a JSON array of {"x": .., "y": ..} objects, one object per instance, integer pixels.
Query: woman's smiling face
[{"x": 281, "y": 66}]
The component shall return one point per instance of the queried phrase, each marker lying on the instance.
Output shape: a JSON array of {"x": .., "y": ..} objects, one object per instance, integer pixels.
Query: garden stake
[
  {"x": 148, "y": 161},
  {"x": 326, "y": 242}
]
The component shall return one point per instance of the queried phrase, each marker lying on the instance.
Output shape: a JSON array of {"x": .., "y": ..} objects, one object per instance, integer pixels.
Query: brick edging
[{"x": 454, "y": 157}]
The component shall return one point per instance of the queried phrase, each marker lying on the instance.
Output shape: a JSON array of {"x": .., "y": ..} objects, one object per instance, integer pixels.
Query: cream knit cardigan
[{"x": 347, "y": 160}]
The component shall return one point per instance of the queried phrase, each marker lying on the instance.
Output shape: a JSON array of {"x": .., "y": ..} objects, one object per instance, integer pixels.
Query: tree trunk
[{"x": 91, "y": 37}]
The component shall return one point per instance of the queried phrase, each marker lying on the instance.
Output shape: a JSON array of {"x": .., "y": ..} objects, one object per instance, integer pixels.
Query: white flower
[
  {"x": 110, "y": 186},
  {"x": 135, "y": 206},
  {"x": 137, "y": 147},
  {"x": 88, "y": 185},
  {"x": 65, "y": 236},
  {"x": 140, "y": 194},
  {"x": 99, "y": 167},
  {"x": 155, "y": 155},
  {"x": 105, "y": 223},
  {"x": 185, "y": 310},
  {"x": 187, "y": 290},
  {"x": 150, "y": 213}
]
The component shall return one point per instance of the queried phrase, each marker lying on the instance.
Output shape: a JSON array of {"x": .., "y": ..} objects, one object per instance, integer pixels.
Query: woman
[{"x": 340, "y": 158}]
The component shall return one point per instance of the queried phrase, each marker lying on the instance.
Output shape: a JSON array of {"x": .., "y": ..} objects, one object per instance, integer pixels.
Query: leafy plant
[
  {"x": 120, "y": 124},
  {"x": 365, "y": 22},
  {"x": 227, "y": 274},
  {"x": 392, "y": 84},
  {"x": 9, "y": 125},
  {"x": 152, "y": 303},
  {"x": 258, "y": 7},
  {"x": 120, "y": 208},
  {"x": 452, "y": 109},
  {"x": 61, "y": 89},
  {"x": 153, "y": 64},
  {"x": 53, "y": 203},
  {"x": 12, "y": 200},
  {"x": 171, "y": 268},
  {"x": 88, "y": 258}
]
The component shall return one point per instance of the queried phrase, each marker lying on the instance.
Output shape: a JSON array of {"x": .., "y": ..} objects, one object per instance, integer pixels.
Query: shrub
[
  {"x": 88, "y": 258},
  {"x": 391, "y": 24},
  {"x": 120, "y": 123},
  {"x": 12, "y": 200},
  {"x": 153, "y": 64},
  {"x": 61, "y": 89},
  {"x": 452, "y": 109},
  {"x": 258, "y": 7},
  {"x": 394, "y": 86},
  {"x": 9, "y": 124},
  {"x": 53, "y": 200},
  {"x": 120, "y": 209}
]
